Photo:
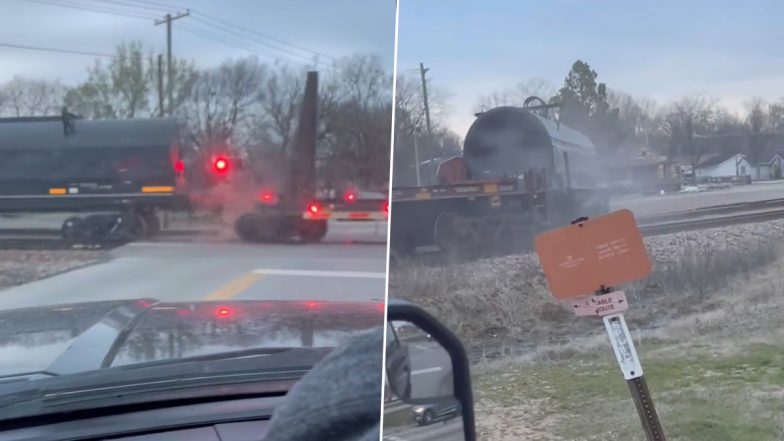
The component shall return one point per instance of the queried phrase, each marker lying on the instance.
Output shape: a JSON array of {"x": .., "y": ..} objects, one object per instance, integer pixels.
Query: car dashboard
[{"x": 228, "y": 420}]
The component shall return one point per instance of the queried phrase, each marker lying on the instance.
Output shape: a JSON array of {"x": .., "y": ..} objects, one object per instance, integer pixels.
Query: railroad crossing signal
[
  {"x": 220, "y": 165},
  {"x": 592, "y": 256}
]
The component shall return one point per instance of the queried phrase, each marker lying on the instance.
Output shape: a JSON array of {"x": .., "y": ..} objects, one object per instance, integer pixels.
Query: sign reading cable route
[
  {"x": 582, "y": 258},
  {"x": 584, "y": 263}
]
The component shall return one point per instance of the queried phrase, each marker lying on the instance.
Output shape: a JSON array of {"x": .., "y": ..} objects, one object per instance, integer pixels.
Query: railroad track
[
  {"x": 654, "y": 226},
  {"x": 714, "y": 210},
  {"x": 51, "y": 239},
  {"x": 675, "y": 226}
]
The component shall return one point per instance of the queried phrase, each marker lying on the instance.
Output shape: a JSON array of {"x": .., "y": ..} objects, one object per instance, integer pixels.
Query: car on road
[
  {"x": 425, "y": 414},
  {"x": 116, "y": 369}
]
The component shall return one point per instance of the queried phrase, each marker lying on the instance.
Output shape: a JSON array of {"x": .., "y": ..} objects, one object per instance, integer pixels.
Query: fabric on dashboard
[{"x": 339, "y": 399}]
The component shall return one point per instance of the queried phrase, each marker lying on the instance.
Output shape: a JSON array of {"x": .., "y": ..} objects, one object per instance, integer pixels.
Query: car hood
[{"x": 79, "y": 337}]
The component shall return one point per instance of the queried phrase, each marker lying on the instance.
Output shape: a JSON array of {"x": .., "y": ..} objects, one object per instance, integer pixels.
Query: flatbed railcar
[{"x": 520, "y": 173}]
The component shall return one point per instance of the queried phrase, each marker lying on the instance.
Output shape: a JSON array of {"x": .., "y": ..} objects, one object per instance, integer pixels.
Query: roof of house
[
  {"x": 716, "y": 159},
  {"x": 772, "y": 156}
]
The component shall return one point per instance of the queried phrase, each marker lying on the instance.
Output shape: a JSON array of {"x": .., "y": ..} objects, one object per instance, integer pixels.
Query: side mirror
[{"x": 428, "y": 378}]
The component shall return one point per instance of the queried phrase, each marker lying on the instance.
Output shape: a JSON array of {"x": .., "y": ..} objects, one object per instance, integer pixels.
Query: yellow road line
[{"x": 235, "y": 287}]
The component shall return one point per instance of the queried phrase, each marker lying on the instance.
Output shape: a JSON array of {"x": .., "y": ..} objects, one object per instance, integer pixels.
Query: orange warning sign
[{"x": 605, "y": 251}]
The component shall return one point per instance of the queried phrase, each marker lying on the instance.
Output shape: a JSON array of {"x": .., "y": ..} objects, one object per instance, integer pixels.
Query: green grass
[
  {"x": 699, "y": 396},
  {"x": 398, "y": 418}
]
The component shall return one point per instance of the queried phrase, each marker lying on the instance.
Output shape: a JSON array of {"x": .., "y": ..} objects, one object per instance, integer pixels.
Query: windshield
[
  {"x": 165, "y": 175},
  {"x": 671, "y": 110}
]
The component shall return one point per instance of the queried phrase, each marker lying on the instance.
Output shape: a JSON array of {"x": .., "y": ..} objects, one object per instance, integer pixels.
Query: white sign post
[
  {"x": 623, "y": 346},
  {"x": 609, "y": 305},
  {"x": 626, "y": 354},
  {"x": 590, "y": 256}
]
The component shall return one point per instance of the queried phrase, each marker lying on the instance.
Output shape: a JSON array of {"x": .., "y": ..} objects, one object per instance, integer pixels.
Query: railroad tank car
[
  {"x": 129, "y": 168},
  {"x": 504, "y": 142},
  {"x": 520, "y": 173}
]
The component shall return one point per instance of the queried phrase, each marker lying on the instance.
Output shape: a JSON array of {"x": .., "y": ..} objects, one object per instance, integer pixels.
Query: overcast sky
[
  {"x": 660, "y": 49},
  {"x": 335, "y": 28}
]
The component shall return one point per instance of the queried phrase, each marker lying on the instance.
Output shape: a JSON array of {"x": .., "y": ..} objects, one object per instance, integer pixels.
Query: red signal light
[
  {"x": 268, "y": 197},
  {"x": 221, "y": 165},
  {"x": 314, "y": 207},
  {"x": 224, "y": 312},
  {"x": 350, "y": 196},
  {"x": 179, "y": 166}
]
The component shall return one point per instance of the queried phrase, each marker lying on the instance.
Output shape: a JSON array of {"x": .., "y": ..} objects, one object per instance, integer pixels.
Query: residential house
[
  {"x": 770, "y": 169},
  {"x": 722, "y": 167}
]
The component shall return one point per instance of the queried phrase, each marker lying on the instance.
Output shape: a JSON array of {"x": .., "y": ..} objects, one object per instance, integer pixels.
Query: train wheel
[
  {"x": 248, "y": 227},
  {"x": 452, "y": 234},
  {"x": 128, "y": 227},
  {"x": 153, "y": 224},
  {"x": 312, "y": 231},
  {"x": 73, "y": 230},
  {"x": 504, "y": 241}
]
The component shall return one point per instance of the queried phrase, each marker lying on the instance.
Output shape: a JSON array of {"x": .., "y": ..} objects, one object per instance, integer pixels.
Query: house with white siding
[
  {"x": 719, "y": 167},
  {"x": 772, "y": 168}
]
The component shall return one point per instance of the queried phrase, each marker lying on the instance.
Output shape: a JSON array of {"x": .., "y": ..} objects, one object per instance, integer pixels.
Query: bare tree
[
  {"x": 639, "y": 117},
  {"x": 222, "y": 101},
  {"x": 282, "y": 92},
  {"x": 3, "y": 101},
  {"x": 358, "y": 126},
  {"x": 410, "y": 108},
  {"x": 695, "y": 113},
  {"x": 515, "y": 96},
  {"x": 126, "y": 87},
  {"x": 759, "y": 123},
  {"x": 27, "y": 97}
]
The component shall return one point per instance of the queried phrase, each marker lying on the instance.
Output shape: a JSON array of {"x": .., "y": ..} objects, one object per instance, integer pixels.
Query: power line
[
  {"x": 247, "y": 43},
  {"x": 221, "y": 39},
  {"x": 50, "y": 49},
  {"x": 211, "y": 17},
  {"x": 161, "y": 4},
  {"x": 135, "y": 5},
  {"x": 209, "y": 35},
  {"x": 231, "y": 31},
  {"x": 234, "y": 26},
  {"x": 92, "y": 9}
]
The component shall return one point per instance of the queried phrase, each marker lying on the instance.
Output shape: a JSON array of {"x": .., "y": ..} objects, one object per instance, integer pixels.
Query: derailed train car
[
  {"x": 131, "y": 169},
  {"x": 520, "y": 173},
  {"x": 125, "y": 169}
]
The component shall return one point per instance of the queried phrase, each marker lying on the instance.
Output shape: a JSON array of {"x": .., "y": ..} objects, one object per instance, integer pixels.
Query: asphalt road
[
  {"x": 431, "y": 370},
  {"x": 450, "y": 430},
  {"x": 223, "y": 269},
  {"x": 653, "y": 205},
  {"x": 430, "y": 377}
]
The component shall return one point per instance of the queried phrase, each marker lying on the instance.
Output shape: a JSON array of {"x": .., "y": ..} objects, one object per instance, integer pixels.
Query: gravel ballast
[
  {"x": 507, "y": 298},
  {"x": 24, "y": 266}
]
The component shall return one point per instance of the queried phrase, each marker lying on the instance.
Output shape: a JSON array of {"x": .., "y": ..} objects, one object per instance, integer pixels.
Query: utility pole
[
  {"x": 160, "y": 85},
  {"x": 168, "y": 19},
  {"x": 422, "y": 72},
  {"x": 416, "y": 161}
]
